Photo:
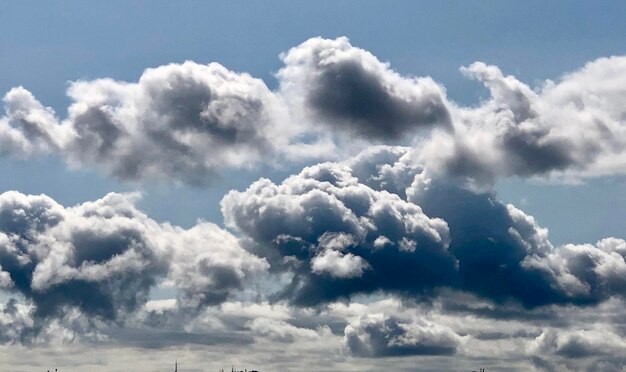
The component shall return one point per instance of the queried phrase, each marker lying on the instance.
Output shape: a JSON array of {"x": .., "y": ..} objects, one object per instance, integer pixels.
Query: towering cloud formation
[
  {"x": 341, "y": 236},
  {"x": 343, "y": 231}
]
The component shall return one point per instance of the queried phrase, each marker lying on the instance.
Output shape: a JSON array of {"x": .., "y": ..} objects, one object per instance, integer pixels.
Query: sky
[{"x": 300, "y": 184}]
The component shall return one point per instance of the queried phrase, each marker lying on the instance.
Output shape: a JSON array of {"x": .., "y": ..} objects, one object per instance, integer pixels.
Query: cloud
[
  {"x": 504, "y": 253},
  {"x": 341, "y": 237},
  {"x": 28, "y": 127},
  {"x": 184, "y": 122},
  {"x": 585, "y": 272},
  {"x": 349, "y": 89},
  {"x": 208, "y": 265},
  {"x": 372, "y": 337},
  {"x": 489, "y": 240},
  {"x": 181, "y": 120},
  {"x": 501, "y": 251},
  {"x": 565, "y": 129},
  {"x": 306, "y": 261},
  {"x": 339, "y": 265},
  {"x": 579, "y": 343},
  {"x": 189, "y": 122},
  {"x": 280, "y": 330},
  {"x": 103, "y": 258},
  {"x": 361, "y": 226},
  {"x": 15, "y": 318}
]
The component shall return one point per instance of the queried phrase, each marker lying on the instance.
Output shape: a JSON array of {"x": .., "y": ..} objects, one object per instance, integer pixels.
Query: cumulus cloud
[
  {"x": 341, "y": 237},
  {"x": 382, "y": 337},
  {"x": 338, "y": 264},
  {"x": 466, "y": 272},
  {"x": 501, "y": 251},
  {"x": 182, "y": 120},
  {"x": 15, "y": 319},
  {"x": 28, "y": 127},
  {"x": 585, "y": 272},
  {"x": 187, "y": 122},
  {"x": 362, "y": 225},
  {"x": 578, "y": 343},
  {"x": 570, "y": 128},
  {"x": 102, "y": 258},
  {"x": 349, "y": 89},
  {"x": 208, "y": 265}
]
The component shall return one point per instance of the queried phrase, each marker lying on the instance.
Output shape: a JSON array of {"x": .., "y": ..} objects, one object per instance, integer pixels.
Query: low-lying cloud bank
[{"x": 188, "y": 122}]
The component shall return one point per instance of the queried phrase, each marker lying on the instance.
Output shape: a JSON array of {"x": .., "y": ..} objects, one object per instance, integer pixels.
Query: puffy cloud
[
  {"x": 28, "y": 127},
  {"x": 501, "y": 251},
  {"x": 102, "y": 258},
  {"x": 585, "y": 272},
  {"x": 504, "y": 253},
  {"x": 579, "y": 343},
  {"x": 468, "y": 275},
  {"x": 208, "y": 265},
  {"x": 181, "y": 120},
  {"x": 490, "y": 241},
  {"x": 349, "y": 89},
  {"x": 361, "y": 225},
  {"x": 571, "y": 128},
  {"x": 382, "y": 337},
  {"x": 187, "y": 122},
  {"x": 184, "y": 122},
  {"x": 350, "y": 237},
  {"x": 15, "y": 320},
  {"x": 338, "y": 264},
  {"x": 341, "y": 237}
]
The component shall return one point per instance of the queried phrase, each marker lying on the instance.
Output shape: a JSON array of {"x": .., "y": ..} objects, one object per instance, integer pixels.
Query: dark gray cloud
[
  {"x": 342, "y": 232},
  {"x": 350, "y": 89},
  {"x": 341, "y": 237},
  {"x": 502, "y": 252},
  {"x": 487, "y": 242}
]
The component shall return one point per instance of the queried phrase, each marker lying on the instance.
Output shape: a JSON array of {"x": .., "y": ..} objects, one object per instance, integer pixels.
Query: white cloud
[{"x": 339, "y": 265}]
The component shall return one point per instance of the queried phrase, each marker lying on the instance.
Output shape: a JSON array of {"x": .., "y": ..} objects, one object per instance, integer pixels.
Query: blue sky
[{"x": 573, "y": 183}]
